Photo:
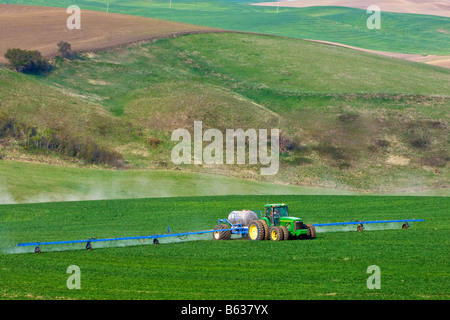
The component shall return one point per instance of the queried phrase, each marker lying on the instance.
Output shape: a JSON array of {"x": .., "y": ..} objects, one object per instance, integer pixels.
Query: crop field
[
  {"x": 401, "y": 32},
  {"x": 428, "y": 7},
  {"x": 413, "y": 263}
]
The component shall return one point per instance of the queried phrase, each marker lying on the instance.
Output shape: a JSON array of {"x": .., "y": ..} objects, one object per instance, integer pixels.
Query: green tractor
[{"x": 277, "y": 225}]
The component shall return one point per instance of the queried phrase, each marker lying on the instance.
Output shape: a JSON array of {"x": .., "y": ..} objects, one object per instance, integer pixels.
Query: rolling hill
[{"x": 349, "y": 120}]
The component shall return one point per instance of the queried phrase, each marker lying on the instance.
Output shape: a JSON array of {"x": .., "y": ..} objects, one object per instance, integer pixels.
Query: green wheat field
[{"x": 413, "y": 262}]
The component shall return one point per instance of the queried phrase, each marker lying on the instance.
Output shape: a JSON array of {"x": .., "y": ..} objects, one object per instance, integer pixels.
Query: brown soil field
[
  {"x": 431, "y": 7},
  {"x": 41, "y": 28}
]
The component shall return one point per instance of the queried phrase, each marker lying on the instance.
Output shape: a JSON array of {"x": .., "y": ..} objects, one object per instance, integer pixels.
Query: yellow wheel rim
[
  {"x": 253, "y": 232},
  {"x": 274, "y": 234}
]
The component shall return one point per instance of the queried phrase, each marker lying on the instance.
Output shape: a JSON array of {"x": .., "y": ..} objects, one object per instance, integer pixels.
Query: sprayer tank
[{"x": 244, "y": 217}]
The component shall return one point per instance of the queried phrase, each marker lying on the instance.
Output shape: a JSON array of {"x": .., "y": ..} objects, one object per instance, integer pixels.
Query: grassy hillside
[
  {"x": 406, "y": 33},
  {"x": 413, "y": 262},
  {"x": 348, "y": 119}
]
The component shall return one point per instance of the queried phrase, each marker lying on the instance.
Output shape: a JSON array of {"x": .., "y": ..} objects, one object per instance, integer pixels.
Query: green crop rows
[{"x": 413, "y": 262}]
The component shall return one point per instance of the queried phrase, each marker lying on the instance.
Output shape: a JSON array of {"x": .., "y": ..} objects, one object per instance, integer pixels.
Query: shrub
[
  {"x": 65, "y": 50},
  {"x": 419, "y": 142},
  {"x": 438, "y": 159},
  {"x": 9, "y": 127},
  {"x": 348, "y": 117},
  {"x": 344, "y": 166},
  {"x": 299, "y": 161},
  {"x": 285, "y": 144},
  {"x": 86, "y": 149},
  {"x": 331, "y": 151},
  {"x": 152, "y": 141},
  {"x": 381, "y": 143},
  {"x": 27, "y": 61}
]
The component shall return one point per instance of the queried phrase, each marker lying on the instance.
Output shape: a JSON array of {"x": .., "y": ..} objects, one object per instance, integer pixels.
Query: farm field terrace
[
  {"x": 413, "y": 263},
  {"x": 401, "y": 32}
]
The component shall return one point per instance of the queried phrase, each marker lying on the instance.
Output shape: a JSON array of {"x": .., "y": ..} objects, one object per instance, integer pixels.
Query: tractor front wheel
[
  {"x": 276, "y": 234},
  {"x": 311, "y": 231}
]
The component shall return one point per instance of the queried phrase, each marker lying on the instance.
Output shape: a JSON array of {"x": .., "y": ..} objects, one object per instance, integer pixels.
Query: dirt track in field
[
  {"x": 435, "y": 60},
  {"x": 431, "y": 7},
  {"x": 41, "y": 28}
]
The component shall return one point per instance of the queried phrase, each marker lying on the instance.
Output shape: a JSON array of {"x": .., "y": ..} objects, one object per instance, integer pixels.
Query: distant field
[
  {"x": 429, "y": 7},
  {"x": 41, "y": 28},
  {"x": 32, "y": 182},
  {"x": 413, "y": 263},
  {"x": 401, "y": 32}
]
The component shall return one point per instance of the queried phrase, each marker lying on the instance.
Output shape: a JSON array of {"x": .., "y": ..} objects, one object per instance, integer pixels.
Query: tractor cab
[{"x": 274, "y": 212}]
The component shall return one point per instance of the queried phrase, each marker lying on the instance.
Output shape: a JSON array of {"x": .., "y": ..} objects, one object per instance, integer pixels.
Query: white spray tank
[{"x": 244, "y": 217}]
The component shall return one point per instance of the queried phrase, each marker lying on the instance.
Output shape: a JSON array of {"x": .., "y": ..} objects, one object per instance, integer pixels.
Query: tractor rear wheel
[
  {"x": 276, "y": 234},
  {"x": 256, "y": 230},
  {"x": 266, "y": 229},
  {"x": 221, "y": 235},
  {"x": 311, "y": 231}
]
